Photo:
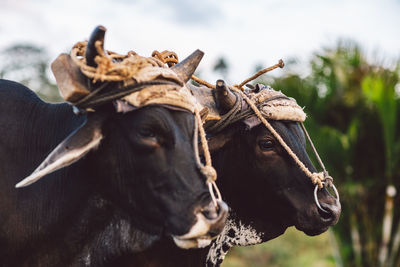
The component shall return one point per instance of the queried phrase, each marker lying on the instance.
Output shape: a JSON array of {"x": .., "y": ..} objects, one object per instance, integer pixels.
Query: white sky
[{"x": 247, "y": 33}]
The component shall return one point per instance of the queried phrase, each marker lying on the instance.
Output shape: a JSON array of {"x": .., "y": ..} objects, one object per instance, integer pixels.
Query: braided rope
[
  {"x": 235, "y": 114},
  {"x": 228, "y": 118},
  {"x": 171, "y": 58},
  {"x": 328, "y": 178},
  {"x": 231, "y": 116},
  {"x": 206, "y": 169},
  {"x": 316, "y": 178},
  {"x": 168, "y": 57},
  {"x": 112, "y": 67},
  {"x": 280, "y": 64},
  {"x": 200, "y": 81}
]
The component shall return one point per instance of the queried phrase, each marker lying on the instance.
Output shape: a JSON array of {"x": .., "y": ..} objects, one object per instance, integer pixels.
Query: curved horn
[
  {"x": 73, "y": 148},
  {"x": 91, "y": 51},
  {"x": 186, "y": 68},
  {"x": 225, "y": 98}
]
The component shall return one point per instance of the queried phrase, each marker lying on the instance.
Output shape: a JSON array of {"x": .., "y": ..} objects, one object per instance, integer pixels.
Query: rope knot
[
  {"x": 168, "y": 57},
  {"x": 328, "y": 179},
  {"x": 210, "y": 173},
  {"x": 104, "y": 64},
  {"x": 318, "y": 178}
]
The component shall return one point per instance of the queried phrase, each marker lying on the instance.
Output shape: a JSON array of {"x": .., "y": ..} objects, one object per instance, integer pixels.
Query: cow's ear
[
  {"x": 219, "y": 140},
  {"x": 73, "y": 148}
]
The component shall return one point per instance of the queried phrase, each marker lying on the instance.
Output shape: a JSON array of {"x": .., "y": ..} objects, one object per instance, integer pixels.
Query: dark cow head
[
  {"x": 262, "y": 183},
  {"x": 266, "y": 176},
  {"x": 143, "y": 161},
  {"x": 269, "y": 188}
]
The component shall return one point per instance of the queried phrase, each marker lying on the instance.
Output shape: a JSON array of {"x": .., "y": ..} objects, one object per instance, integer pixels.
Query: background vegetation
[{"x": 353, "y": 118}]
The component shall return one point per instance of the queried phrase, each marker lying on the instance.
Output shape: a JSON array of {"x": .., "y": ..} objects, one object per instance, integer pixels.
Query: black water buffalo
[
  {"x": 133, "y": 179},
  {"x": 266, "y": 190}
]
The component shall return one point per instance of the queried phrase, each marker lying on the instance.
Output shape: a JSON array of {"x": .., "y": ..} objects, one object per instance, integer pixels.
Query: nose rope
[
  {"x": 328, "y": 180},
  {"x": 206, "y": 169},
  {"x": 112, "y": 67},
  {"x": 316, "y": 178},
  {"x": 171, "y": 58},
  {"x": 320, "y": 179},
  {"x": 327, "y": 177}
]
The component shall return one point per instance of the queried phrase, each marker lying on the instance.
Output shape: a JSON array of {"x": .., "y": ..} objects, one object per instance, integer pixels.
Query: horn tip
[
  {"x": 28, "y": 180},
  {"x": 21, "y": 184},
  {"x": 101, "y": 28},
  {"x": 220, "y": 83},
  {"x": 187, "y": 67},
  {"x": 98, "y": 33},
  {"x": 199, "y": 52}
]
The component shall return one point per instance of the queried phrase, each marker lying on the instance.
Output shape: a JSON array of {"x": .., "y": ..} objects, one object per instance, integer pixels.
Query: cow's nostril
[
  {"x": 210, "y": 214},
  {"x": 213, "y": 213},
  {"x": 210, "y": 211},
  {"x": 332, "y": 211},
  {"x": 326, "y": 213}
]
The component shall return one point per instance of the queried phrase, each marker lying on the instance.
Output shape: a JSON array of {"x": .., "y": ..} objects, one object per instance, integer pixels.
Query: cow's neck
[
  {"x": 235, "y": 233},
  {"x": 116, "y": 239},
  {"x": 87, "y": 221},
  {"x": 165, "y": 253}
]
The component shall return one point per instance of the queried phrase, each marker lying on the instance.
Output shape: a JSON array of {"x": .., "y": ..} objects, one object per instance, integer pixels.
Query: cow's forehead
[
  {"x": 167, "y": 117},
  {"x": 290, "y": 131},
  {"x": 167, "y": 95}
]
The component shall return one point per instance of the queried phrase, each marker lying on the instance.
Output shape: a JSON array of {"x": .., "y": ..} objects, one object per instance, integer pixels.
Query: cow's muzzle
[{"x": 209, "y": 224}]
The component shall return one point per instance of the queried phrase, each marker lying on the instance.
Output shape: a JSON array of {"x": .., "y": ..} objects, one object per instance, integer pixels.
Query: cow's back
[{"x": 29, "y": 130}]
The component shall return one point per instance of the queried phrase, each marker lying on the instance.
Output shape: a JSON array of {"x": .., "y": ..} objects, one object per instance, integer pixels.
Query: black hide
[
  {"x": 140, "y": 183},
  {"x": 267, "y": 193}
]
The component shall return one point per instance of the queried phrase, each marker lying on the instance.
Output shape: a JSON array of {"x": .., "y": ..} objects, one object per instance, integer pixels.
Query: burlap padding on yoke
[
  {"x": 280, "y": 108},
  {"x": 163, "y": 95},
  {"x": 133, "y": 69}
]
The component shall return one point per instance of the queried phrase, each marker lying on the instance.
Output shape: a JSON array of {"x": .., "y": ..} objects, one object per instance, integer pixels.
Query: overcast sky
[{"x": 247, "y": 33}]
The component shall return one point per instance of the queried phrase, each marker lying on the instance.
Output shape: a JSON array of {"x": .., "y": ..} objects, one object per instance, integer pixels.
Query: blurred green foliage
[
  {"x": 353, "y": 118},
  {"x": 29, "y": 65},
  {"x": 291, "y": 249}
]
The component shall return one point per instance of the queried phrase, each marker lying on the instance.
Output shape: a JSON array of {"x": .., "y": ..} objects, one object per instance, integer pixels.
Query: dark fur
[
  {"x": 117, "y": 200},
  {"x": 266, "y": 191}
]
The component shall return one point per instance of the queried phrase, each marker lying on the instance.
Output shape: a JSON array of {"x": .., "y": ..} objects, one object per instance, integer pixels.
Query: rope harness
[
  {"x": 319, "y": 179},
  {"x": 143, "y": 81}
]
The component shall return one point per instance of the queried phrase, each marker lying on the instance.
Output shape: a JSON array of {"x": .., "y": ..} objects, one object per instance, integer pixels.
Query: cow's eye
[
  {"x": 146, "y": 133},
  {"x": 266, "y": 145}
]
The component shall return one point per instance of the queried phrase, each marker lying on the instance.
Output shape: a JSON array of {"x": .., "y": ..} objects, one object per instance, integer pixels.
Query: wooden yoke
[{"x": 72, "y": 84}]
